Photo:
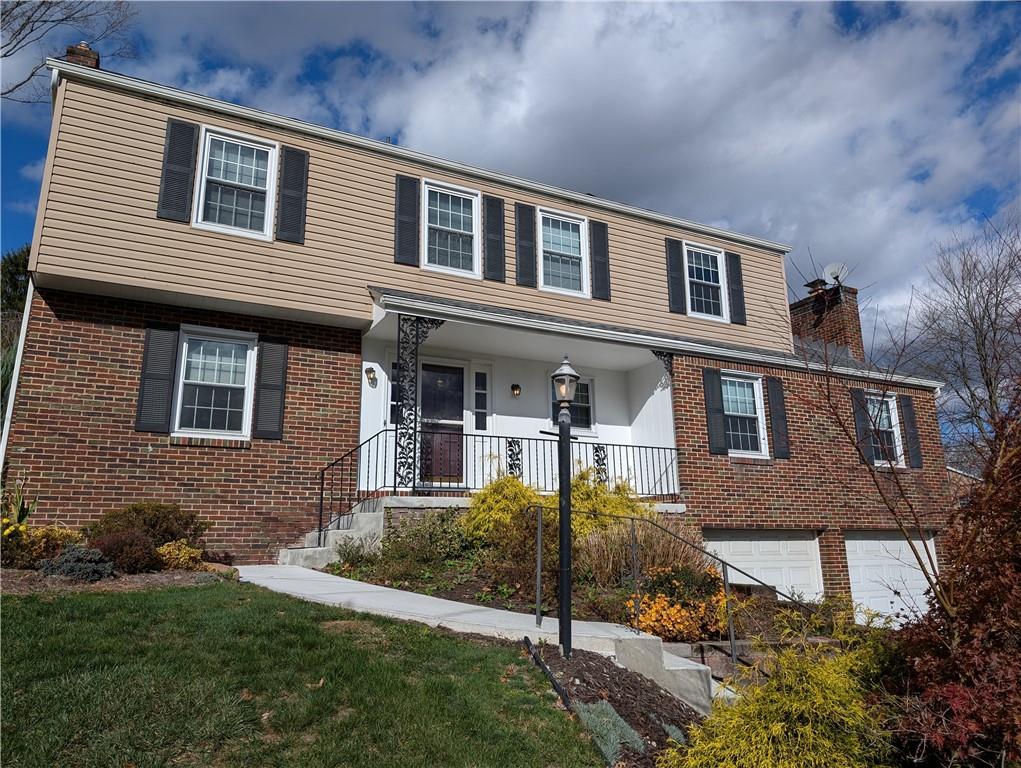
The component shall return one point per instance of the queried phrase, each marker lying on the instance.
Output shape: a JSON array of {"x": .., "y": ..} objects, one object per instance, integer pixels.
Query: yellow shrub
[
  {"x": 661, "y": 616},
  {"x": 179, "y": 555},
  {"x": 495, "y": 505},
  {"x": 25, "y": 546},
  {"x": 590, "y": 495}
]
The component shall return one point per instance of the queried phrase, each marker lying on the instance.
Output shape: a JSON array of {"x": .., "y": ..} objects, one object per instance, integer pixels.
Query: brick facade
[
  {"x": 73, "y": 438},
  {"x": 823, "y": 486}
]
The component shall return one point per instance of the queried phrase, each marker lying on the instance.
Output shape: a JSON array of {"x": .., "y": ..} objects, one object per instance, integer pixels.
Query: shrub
[
  {"x": 434, "y": 538},
  {"x": 604, "y": 556},
  {"x": 681, "y": 604},
  {"x": 358, "y": 552},
  {"x": 813, "y": 711},
  {"x": 16, "y": 511},
  {"x": 48, "y": 541},
  {"x": 219, "y": 556},
  {"x": 494, "y": 506},
  {"x": 590, "y": 495},
  {"x": 180, "y": 555},
  {"x": 131, "y": 551},
  {"x": 161, "y": 522},
  {"x": 78, "y": 563}
]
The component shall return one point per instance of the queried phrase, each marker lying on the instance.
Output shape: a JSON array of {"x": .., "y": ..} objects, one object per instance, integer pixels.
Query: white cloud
[
  {"x": 26, "y": 207},
  {"x": 33, "y": 171}
]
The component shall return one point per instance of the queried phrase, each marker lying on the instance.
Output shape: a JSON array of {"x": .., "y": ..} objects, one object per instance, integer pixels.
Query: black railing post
[
  {"x": 730, "y": 615},
  {"x": 635, "y": 574},
  {"x": 322, "y": 490}
]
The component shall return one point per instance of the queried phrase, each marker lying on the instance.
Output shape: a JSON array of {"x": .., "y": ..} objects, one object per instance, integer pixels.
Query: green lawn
[{"x": 229, "y": 674}]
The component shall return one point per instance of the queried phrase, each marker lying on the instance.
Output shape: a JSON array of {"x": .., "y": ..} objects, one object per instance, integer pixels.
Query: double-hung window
[
  {"x": 582, "y": 408},
  {"x": 706, "y": 281},
  {"x": 451, "y": 221},
  {"x": 884, "y": 430},
  {"x": 236, "y": 185},
  {"x": 564, "y": 262},
  {"x": 215, "y": 383},
  {"x": 744, "y": 416}
]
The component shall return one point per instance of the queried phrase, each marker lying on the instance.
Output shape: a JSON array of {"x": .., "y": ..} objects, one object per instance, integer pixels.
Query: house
[{"x": 270, "y": 321}]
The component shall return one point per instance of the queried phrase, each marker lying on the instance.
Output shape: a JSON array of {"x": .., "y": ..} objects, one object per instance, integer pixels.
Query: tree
[
  {"x": 969, "y": 332},
  {"x": 27, "y": 28},
  {"x": 13, "y": 290}
]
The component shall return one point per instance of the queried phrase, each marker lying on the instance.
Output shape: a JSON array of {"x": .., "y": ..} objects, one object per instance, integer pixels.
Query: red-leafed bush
[
  {"x": 130, "y": 551},
  {"x": 962, "y": 676}
]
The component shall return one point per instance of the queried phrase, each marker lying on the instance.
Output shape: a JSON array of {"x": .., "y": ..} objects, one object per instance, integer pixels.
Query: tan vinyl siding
[{"x": 100, "y": 224}]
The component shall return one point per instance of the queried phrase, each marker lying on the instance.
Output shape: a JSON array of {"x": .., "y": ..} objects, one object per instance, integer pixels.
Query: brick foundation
[
  {"x": 73, "y": 439},
  {"x": 822, "y": 487}
]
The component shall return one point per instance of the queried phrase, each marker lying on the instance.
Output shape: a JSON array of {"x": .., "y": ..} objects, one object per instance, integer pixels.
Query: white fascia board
[
  {"x": 441, "y": 311},
  {"x": 167, "y": 93}
]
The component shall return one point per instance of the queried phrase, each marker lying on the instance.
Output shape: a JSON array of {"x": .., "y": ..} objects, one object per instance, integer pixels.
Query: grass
[{"x": 230, "y": 674}]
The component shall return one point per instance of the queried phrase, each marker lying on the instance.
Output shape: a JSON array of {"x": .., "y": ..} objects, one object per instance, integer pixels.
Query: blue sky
[{"x": 862, "y": 133}]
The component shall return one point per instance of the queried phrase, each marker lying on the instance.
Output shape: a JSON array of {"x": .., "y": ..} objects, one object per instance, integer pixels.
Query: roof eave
[{"x": 177, "y": 95}]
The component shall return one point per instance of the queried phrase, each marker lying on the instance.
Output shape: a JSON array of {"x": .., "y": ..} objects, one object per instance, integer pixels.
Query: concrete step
[
  {"x": 308, "y": 557},
  {"x": 688, "y": 680}
]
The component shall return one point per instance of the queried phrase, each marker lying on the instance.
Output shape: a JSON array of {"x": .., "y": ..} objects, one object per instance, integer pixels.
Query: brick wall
[
  {"x": 823, "y": 486},
  {"x": 73, "y": 439},
  {"x": 829, "y": 315}
]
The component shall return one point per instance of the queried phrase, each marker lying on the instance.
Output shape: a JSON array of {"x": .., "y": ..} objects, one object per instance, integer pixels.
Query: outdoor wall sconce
[
  {"x": 516, "y": 390},
  {"x": 370, "y": 375}
]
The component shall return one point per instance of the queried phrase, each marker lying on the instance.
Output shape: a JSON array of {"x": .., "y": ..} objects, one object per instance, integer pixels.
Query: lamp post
[{"x": 565, "y": 382}]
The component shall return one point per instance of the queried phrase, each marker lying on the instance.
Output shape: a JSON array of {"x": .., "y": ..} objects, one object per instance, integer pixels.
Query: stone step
[{"x": 688, "y": 680}]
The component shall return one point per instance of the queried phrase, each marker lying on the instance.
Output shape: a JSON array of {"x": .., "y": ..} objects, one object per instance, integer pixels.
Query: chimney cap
[{"x": 815, "y": 286}]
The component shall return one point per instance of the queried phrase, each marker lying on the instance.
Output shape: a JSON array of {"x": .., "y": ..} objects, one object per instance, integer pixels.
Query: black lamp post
[{"x": 565, "y": 382}]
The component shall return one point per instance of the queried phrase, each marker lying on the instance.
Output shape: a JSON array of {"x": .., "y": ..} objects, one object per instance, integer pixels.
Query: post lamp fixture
[{"x": 565, "y": 382}]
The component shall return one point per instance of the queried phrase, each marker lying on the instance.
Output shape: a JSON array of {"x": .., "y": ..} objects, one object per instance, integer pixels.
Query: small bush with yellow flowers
[
  {"x": 681, "y": 604},
  {"x": 180, "y": 555}
]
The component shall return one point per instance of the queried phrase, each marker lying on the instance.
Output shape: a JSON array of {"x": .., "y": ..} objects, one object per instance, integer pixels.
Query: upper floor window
[
  {"x": 582, "y": 408},
  {"x": 236, "y": 185},
  {"x": 564, "y": 262},
  {"x": 451, "y": 223},
  {"x": 885, "y": 429},
  {"x": 216, "y": 383},
  {"x": 706, "y": 281},
  {"x": 744, "y": 415}
]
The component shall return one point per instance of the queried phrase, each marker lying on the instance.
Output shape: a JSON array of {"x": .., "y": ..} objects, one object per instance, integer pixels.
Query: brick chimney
[
  {"x": 829, "y": 314},
  {"x": 83, "y": 55}
]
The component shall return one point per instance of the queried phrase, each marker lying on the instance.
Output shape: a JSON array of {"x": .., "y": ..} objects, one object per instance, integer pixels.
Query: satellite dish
[{"x": 835, "y": 272}]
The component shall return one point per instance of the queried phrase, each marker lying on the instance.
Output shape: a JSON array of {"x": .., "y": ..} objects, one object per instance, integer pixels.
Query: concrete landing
[{"x": 638, "y": 651}]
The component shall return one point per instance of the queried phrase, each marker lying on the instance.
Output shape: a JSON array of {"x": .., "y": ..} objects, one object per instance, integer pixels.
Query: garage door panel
[
  {"x": 787, "y": 560},
  {"x": 883, "y": 571}
]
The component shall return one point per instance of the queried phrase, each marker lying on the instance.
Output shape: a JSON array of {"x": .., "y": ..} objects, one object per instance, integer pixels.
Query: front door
[{"x": 442, "y": 444}]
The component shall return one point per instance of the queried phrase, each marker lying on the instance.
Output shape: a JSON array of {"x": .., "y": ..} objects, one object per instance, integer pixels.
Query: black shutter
[
  {"x": 906, "y": 405},
  {"x": 715, "y": 422},
  {"x": 156, "y": 386},
  {"x": 599, "y": 248},
  {"x": 406, "y": 221},
  {"x": 270, "y": 383},
  {"x": 293, "y": 194},
  {"x": 524, "y": 234},
  {"x": 862, "y": 424},
  {"x": 675, "y": 276},
  {"x": 178, "y": 178},
  {"x": 735, "y": 289},
  {"x": 778, "y": 418},
  {"x": 493, "y": 245}
]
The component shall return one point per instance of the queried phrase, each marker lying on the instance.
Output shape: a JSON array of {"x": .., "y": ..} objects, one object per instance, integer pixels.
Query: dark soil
[
  {"x": 588, "y": 677},
  {"x": 22, "y": 582}
]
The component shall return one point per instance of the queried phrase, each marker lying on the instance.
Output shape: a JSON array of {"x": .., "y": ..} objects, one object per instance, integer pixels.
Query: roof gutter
[
  {"x": 441, "y": 311},
  {"x": 134, "y": 85}
]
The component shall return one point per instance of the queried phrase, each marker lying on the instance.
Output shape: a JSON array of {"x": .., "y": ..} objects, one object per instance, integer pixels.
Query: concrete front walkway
[{"x": 320, "y": 587}]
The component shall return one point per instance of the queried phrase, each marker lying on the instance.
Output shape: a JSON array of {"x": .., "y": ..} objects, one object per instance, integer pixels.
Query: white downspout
[{"x": 9, "y": 411}]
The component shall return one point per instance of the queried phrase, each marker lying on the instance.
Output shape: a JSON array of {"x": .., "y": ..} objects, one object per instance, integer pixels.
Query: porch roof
[{"x": 807, "y": 355}]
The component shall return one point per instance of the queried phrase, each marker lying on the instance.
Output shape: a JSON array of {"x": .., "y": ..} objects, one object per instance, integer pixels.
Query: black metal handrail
[
  {"x": 725, "y": 568},
  {"x": 455, "y": 463}
]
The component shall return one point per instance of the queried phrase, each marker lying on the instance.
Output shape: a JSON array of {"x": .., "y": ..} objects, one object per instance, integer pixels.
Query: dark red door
[{"x": 442, "y": 443}]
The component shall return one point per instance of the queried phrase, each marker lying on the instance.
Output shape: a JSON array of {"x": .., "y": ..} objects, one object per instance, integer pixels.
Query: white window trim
[
  {"x": 215, "y": 334},
  {"x": 575, "y": 430},
  {"x": 898, "y": 444},
  {"x": 760, "y": 413},
  {"x": 476, "y": 198},
  {"x": 582, "y": 222},
  {"x": 724, "y": 295},
  {"x": 199, "y": 193}
]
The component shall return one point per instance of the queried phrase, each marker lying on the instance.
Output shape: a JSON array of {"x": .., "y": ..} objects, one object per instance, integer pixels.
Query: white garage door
[
  {"x": 884, "y": 574},
  {"x": 786, "y": 560}
]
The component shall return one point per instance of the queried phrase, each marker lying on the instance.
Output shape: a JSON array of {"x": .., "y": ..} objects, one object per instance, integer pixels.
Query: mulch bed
[
  {"x": 23, "y": 582},
  {"x": 589, "y": 677}
]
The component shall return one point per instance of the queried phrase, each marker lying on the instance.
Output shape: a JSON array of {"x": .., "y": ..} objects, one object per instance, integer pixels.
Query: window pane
[
  {"x": 234, "y": 207},
  {"x": 742, "y": 433},
  {"x": 210, "y": 407},
  {"x": 215, "y": 362},
  {"x": 705, "y": 299},
  {"x": 581, "y": 408},
  {"x": 561, "y": 236},
  {"x": 237, "y": 163},
  {"x": 704, "y": 285},
  {"x": 879, "y": 413},
  {"x": 450, "y": 211},
  {"x": 738, "y": 397},
  {"x": 449, "y": 249},
  {"x": 561, "y": 271},
  {"x": 480, "y": 421}
]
